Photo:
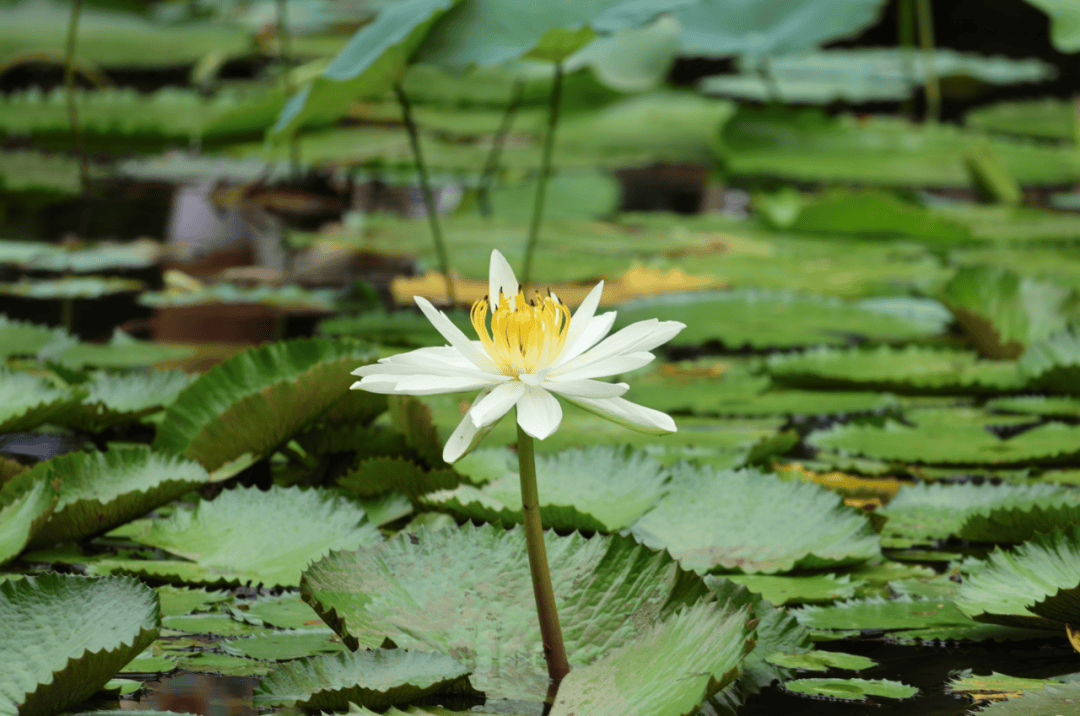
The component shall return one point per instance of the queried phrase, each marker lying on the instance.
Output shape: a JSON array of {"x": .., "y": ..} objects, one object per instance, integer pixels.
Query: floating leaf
[
  {"x": 1036, "y": 405},
  {"x": 81, "y": 287},
  {"x": 26, "y": 503},
  {"x": 177, "y": 601},
  {"x": 377, "y": 678},
  {"x": 64, "y": 637},
  {"x": 380, "y": 475},
  {"x": 99, "y": 490},
  {"x": 1018, "y": 524},
  {"x": 256, "y": 400},
  {"x": 577, "y": 491},
  {"x": 1064, "y": 23},
  {"x": 285, "y": 645},
  {"x": 1003, "y": 312},
  {"x": 114, "y": 399},
  {"x": 1035, "y": 586},
  {"x": 822, "y": 661},
  {"x": 206, "y": 662},
  {"x": 460, "y": 591},
  {"x": 149, "y": 665},
  {"x": 798, "y": 589},
  {"x": 851, "y": 689},
  {"x": 249, "y": 535},
  {"x": 993, "y": 687},
  {"x": 27, "y": 401},
  {"x": 122, "y": 351},
  {"x": 878, "y": 613},
  {"x": 746, "y": 521},
  {"x": 25, "y": 339},
  {"x": 286, "y": 611},
  {"x": 1046, "y": 118},
  {"x": 1054, "y": 364},
  {"x": 763, "y": 319}
]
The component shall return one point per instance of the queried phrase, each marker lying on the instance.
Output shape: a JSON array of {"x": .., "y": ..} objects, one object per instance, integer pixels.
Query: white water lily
[{"x": 533, "y": 351}]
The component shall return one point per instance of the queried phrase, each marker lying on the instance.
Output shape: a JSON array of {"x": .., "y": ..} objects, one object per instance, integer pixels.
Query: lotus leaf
[
  {"x": 25, "y": 339},
  {"x": 1048, "y": 118},
  {"x": 745, "y": 521},
  {"x": 256, "y": 400},
  {"x": 99, "y": 490},
  {"x": 1054, "y": 364},
  {"x": 851, "y": 689},
  {"x": 249, "y": 535},
  {"x": 26, "y": 503},
  {"x": 27, "y": 401},
  {"x": 114, "y": 399},
  {"x": 285, "y": 645},
  {"x": 823, "y": 661},
  {"x": 380, "y": 475},
  {"x": 81, "y": 287},
  {"x": 1037, "y": 405},
  {"x": 122, "y": 351},
  {"x": 1064, "y": 23},
  {"x": 65, "y": 636}
]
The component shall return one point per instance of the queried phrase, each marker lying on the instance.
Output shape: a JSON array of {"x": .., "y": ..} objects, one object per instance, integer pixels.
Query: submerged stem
[
  {"x": 545, "y": 173},
  {"x": 550, "y": 631},
  {"x": 483, "y": 192},
  {"x": 425, "y": 189}
]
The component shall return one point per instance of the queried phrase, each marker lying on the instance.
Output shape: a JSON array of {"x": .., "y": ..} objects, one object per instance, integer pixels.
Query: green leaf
[
  {"x": 377, "y": 678},
  {"x": 380, "y": 475},
  {"x": 910, "y": 369},
  {"x": 822, "y": 661},
  {"x": 1018, "y": 524},
  {"x": 851, "y": 689},
  {"x": 256, "y": 400},
  {"x": 578, "y": 490},
  {"x": 878, "y": 613},
  {"x": 577, "y": 195},
  {"x": 491, "y": 32},
  {"x": 1003, "y": 313},
  {"x": 206, "y": 662},
  {"x": 798, "y": 589},
  {"x": 177, "y": 601},
  {"x": 933, "y": 511},
  {"x": 289, "y": 296},
  {"x": 669, "y": 671},
  {"x": 76, "y": 287},
  {"x": 25, "y": 339},
  {"x": 1053, "y": 364},
  {"x": 113, "y": 399},
  {"x": 454, "y": 590},
  {"x": 765, "y": 319},
  {"x": 26, "y": 503},
  {"x": 754, "y": 523},
  {"x": 946, "y": 444},
  {"x": 1036, "y": 405},
  {"x": 1035, "y": 586},
  {"x": 285, "y": 645},
  {"x": 27, "y": 401},
  {"x": 149, "y": 665},
  {"x": 374, "y": 61},
  {"x": 993, "y": 687},
  {"x": 249, "y": 535},
  {"x": 632, "y": 60},
  {"x": 122, "y": 351},
  {"x": 286, "y": 611},
  {"x": 1046, "y": 118},
  {"x": 1064, "y": 23},
  {"x": 99, "y": 491},
  {"x": 64, "y": 637},
  {"x": 399, "y": 328},
  {"x": 214, "y": 625}
]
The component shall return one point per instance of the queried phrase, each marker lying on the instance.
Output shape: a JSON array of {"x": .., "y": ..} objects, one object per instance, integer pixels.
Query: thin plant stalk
[
  {"x": 73, "y": 111},
  {"x": 1076, "y": 120},
  {"x": 925, "y": 19},
  {"x": 768, "y": 78},
  {"x": 905, "y": 31},
  {"x": 491, "y": 166},
  {"x": 285, "y": 68},
  {"x": 550, "y": 631},
  {"x": 545, "y": 174},
  {"x": 425, "y": 189}
]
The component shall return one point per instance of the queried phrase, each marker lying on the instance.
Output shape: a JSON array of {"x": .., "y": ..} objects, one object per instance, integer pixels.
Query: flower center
[{"x": 525, "y": 336}]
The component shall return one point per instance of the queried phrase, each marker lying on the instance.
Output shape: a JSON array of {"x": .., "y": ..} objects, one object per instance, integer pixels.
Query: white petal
[
  {"x": 454, "y": 336},
  {"x": 466, "y": 435},
  {"x": 500, "y": 278},
  {"x": 539, "y": 413},
  {"x": 464, "y": 369},
  {"x": 436, "y": 384},
  {"x": 377, "y": 384},
  {"x": 582, "y": 316},
  {"x": 640, "y": 336},
  {"x": 631, "y": 415},
  {"x": 596, "y": 329},
  {"x": 586, "y": 389},
  {"x": 604, "y": 367},
  {"x": 496, "y": 403}
]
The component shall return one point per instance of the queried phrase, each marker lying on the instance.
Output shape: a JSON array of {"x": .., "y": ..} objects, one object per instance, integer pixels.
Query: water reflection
[{"x": 202, "y": 694}]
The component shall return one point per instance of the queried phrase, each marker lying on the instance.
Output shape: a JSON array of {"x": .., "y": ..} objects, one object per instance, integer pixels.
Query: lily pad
[
  {"x": 249, "y": 535},
  {"x": 113, "y": 399},
  {"x": 822, "y": 661},
  {"x": 601, "y": 488},
  {"x": 285, "y": 645},
  {"x": 381, "y": 475},
  {"x": 256, "y": 400},
  {"x": 1037, "y": 405},
  {"x": 177, "y": 601},
  {"x": 64, "y": 637},
  {"x": 993, "y": 687},
  {"x": 754, "y": 523},
  {"x": 286, "y": 611},
  {"x": 851, "y": 689},
  {"x": 82, "y": 287},
  {"x": 1034, "y": 586},
  {"x": 910, "y": 369},
  {"x": 798, "y": 589},
  {"x": 27, "y": 401},
  {"x": 1053, "y": 364},
  {"x": 206, "y": 662},
  {"x": 99, "y": 490},
  {"x": 376, "y": 678},
  {"x": 1051, "y": 699},
  {"x": 26, "y": 503},
  {"x": 460, "y": 591},
  {"x": 122, "y": 351},
  {"x": 18, "y": 338},
  {"x": 763, "y": 319},
  {"x": 876, "y": 613},
  {"x": 1047, "y": 118}
]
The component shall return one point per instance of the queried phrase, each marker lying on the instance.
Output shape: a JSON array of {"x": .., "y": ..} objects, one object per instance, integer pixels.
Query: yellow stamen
[{"x": 526, "y": 336}]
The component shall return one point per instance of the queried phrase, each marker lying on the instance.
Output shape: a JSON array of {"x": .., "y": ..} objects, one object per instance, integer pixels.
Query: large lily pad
[
  {"x": 64, "y": 637},
  {"x": 754, "y": 523},
  {"x": 911, "y": 369},
  {"x": 113, "y": 399},
  {"x": 1064, "y": 23},
  {"x": 1050, "y": 699},
  {"x": 1035, "y": 586},
  {"x": 249, "y": 535},
  {"x": 18, "y": 338},
  {"x": 1047, "y": 118},
  {"x": 121, "y": 351},
  {"x": 851, "y": 689},
  {"x": 1003, "y": 312},
  {"x": 601, "y": 488},
  {"x": 70, "y": 288},
  {"x": 467, "y": 592},
  {"x": 285, "y": 645},
  {"x": 27, "y": 401},
  {"x": 99, "y": 490},
  {"x": 763, "y": 319},
  {"x": 26, "y": 503},
  {"x": 375, "y": 678},
  {"x": 254, "y": 401},
  {"x": 1053, "y": 364}
]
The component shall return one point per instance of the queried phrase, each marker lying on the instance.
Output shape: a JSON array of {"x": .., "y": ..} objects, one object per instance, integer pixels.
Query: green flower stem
[
  {"x": 925, "y": 19},
  {"x": 550, "y": 632},
  {"x": 545, "y": 174},
  {"x": 425, "y": 189},
  {"x": 483, "y": 192},
  {"x": 73, "y": 112}
]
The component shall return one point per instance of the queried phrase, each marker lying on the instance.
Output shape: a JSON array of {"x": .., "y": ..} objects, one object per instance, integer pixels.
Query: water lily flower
[{"x": 533, "y": 351}]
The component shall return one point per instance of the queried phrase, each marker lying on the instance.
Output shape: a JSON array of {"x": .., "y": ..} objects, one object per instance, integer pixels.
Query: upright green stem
[
  {"x": 285, "y": 67},
  {"x": 483, "y": 192},
  {"x": 73, "y": 110},
  {"x": 545, "y": 173},
  {"x": 425, "y": 188},
  {"x": 926, "y": 38},
  {"x": 1076, "y": 120},
  {"x": 768, "y": 78},
  {"x": 550, "y": 632},
  {"x": 905, "y": 31}
]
